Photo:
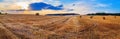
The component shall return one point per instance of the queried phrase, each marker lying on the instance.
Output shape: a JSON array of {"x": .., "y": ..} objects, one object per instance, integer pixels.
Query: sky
[{"x": 71, "y": 6}]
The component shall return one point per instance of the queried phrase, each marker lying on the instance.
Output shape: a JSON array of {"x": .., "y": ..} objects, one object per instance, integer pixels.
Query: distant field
[{"x": 59, "y": 27}]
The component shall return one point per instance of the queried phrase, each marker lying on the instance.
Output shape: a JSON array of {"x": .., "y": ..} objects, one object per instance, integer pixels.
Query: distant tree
[
  {"x": 37, "y": 14},
  {"x": 104, "y": 13}
]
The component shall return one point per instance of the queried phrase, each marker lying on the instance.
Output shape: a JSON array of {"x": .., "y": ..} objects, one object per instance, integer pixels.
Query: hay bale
[
  {"x": 91, "y": 17},
  {"x": 37, "y": 14},
  {"x": 80, "y": 16},
  {"x": 104, "y": 18}
]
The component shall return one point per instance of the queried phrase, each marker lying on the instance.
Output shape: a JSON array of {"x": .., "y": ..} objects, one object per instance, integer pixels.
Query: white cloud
[
  {"x": 25, "y": 3},
  {"x": 21, "y": 0},
  {"x": 16, "y": 4},
  {"x": 79, "y": 7},
  {"x": 93, "y": 0},
  {"x": 85, "y": 7},
  {"x": 53, "y": 2},
  {"x": 8, "y": 6},
  {"x": 102, "y": 5}
]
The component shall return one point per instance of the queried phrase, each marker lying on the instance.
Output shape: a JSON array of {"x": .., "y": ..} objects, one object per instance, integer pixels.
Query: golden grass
[{"x": 59, "y": 27}]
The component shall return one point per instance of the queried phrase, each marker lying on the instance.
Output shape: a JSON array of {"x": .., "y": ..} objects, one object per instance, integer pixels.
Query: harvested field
[{"x": 59, "y": 27}]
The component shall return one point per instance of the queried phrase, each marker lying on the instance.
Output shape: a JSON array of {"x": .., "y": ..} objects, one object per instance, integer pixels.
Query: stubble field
[{"x": 59, "y": 27}]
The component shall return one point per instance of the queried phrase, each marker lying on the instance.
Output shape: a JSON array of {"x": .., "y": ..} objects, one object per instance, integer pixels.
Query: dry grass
[{"x": 59, "y": 27}]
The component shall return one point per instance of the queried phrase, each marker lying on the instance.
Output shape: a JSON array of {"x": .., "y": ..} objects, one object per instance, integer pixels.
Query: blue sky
[
  {"x": 114, "y": 4},
  {"x": 80, "y": 6}
]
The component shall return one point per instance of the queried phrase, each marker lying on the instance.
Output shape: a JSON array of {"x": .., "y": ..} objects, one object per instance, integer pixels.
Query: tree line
[{"x": 115, "y": 14}]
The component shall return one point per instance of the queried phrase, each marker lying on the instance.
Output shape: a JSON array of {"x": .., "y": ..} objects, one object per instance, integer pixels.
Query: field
[{"x": 59, "y": 27}]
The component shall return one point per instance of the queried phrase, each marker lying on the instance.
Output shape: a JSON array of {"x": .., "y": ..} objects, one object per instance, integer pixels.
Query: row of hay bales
[
  {"x": 3, "y": 13},
  {"x": 104, "y": 18},
  {"x": 7, "y": 13}
]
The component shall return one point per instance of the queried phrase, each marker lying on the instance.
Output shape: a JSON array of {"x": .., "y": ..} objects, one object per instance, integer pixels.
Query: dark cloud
[{"x": 41, "y": 5}]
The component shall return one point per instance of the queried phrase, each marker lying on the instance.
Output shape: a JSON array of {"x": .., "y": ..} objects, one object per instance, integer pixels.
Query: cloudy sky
[{"x": 77, "y": 6}]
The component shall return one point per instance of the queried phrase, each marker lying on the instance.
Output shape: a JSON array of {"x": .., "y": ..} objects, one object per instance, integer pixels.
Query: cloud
[
  {"x": 85, "y": 7},
  {"x": 75, "y": 6},
  {"x": 53, "y": 2},
  {"x": 13, "y": 1},
  {"x": 6, "y": 6},
  {"x": 102, "y": 5},
  {"x": 78, "y": 7},
  {"x": 16, "y": 4},
  {"x": 41, "y": 5},
  {"x": 43, "y": 12},
  {"x": 24, "y": 4},
  {"x": 93, "y": 0}
]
